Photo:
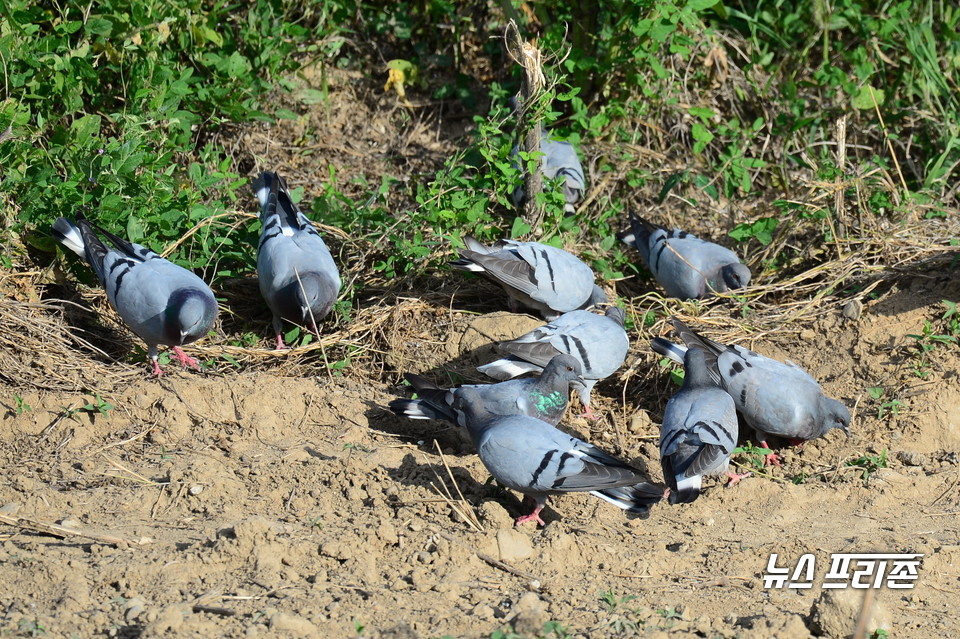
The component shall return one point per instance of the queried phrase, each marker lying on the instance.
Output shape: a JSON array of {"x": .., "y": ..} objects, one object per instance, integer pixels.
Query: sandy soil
[{"x": 278, "y": 504}]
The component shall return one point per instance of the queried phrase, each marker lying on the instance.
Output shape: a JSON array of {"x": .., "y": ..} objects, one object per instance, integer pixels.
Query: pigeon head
[
  {"x": 617, "y": 314},
  {"x": 564, "y": 368},
  {"x": 735, "y": 276},
  {"x": 597, "y": 296},
  {"x": 312, "y": 295},
  {"x": 317, "y": 293},
  {"x": 189, "y": 315},
  {"x": 836, "y": 415}
]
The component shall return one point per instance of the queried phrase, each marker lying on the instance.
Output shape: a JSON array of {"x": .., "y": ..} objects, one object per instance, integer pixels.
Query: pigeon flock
[{"x": 513, "y": 423}]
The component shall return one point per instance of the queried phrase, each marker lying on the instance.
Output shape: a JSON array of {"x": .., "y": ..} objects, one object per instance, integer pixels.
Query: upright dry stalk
[
  {"x": 838, "y": 196},
  {"x": 528, "y": 56}
]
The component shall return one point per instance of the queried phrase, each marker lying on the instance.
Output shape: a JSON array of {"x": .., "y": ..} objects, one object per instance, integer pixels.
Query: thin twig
[{"x": 496, "y": 563}]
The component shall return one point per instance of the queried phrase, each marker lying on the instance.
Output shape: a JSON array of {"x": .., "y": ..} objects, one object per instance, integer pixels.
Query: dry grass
[{"x": 43, "y": 347}]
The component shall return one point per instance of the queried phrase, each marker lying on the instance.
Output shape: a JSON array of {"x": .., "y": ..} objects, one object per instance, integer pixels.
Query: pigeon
[
  {"x": 544, "y": 397},
  {"x": 298, "y": 277},
  {"x": 559, "y": 160},
  {"x": 161, "y": 302},
  {"x": 598, "y": 342},
  {"x": 699, "y": 431},
  {"x": 775, "y": 398},
  {"x": 546, "y": 279},
  {"x": 683, "y": 264},
  {"x": 537, "y": 460}
]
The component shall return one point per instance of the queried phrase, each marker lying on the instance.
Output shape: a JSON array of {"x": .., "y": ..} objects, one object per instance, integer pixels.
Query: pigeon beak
[
  {"x": 846, "y": 431},
  {"x": 579, "y": 384}
]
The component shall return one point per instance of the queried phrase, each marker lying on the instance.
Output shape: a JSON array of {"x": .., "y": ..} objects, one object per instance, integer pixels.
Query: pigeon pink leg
[
  {"x": 280, "y": 345},
  {"x": 157, "y": 371},
  {"x": 589, "y": 414},
  {"x": 184, "y": 359},
  {"x": 533, "y": 516},
  {"x": 772, "y": 459}
]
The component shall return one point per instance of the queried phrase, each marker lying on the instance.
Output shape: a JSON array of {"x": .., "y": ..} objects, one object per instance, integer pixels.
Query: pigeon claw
[
  {"x": 589, "y": 414},
  {"x": 534, "y": 516},
  {"x": 157, "y": 371},
  {"x": 184, "y": 359},
  {"x": 736, "y": 477},
  {"x": 280, "y": 345},
  {"x": 772, "y": 458}
]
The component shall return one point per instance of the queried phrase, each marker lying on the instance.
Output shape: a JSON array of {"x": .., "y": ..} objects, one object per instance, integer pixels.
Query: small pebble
[
  {"x": 196, "y": 490},
  {"x": 912, "y": 458},
  {"x": 853, "y": 309}
]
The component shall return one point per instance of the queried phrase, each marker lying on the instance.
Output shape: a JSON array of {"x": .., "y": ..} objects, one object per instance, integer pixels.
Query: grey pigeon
[
  {"x": 298, "y": 277},
  {"x": 535, "y": 459},
  {"x": 699, "y": 431},
  {"x": 683, "y": 264},
  {"x": 544, "y": 397},
  {"x": 546, "y": 279},
  {"x": 598, "y": 342},
  {"x": 161, "y": 302},
  {"x": 775, "y": 398},
  {"x": 559, "y": 160}
]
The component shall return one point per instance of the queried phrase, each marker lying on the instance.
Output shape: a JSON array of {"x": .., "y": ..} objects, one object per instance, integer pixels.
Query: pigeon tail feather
[
  {"x": 687, "y": 491},
  {"x": 668, "y": 349},
  {"x": 634, "y": 499},
  {"x": 67, "y": 233}
]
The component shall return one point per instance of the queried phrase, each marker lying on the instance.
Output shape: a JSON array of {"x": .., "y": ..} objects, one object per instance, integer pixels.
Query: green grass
[{"x": 118, "y": 111}]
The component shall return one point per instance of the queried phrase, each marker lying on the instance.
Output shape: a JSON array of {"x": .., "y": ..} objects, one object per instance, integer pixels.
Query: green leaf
[
  {"x": 85, "y": 128},
  {"x": 135, "y": 229},
  {"x": 762, "y": 230},
  {"x": 703, "y": 113},
  {"x": 311, "y": 96},
  {"x": 520, "y": 227},
  {"x": 864, "y": 99},
  {"x": 700, "y": 5},
  {"x": 671, "y": 182}
]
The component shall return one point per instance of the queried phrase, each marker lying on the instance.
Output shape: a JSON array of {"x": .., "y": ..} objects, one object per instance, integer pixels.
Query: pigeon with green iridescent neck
[
  {"x": 598, "y": 342},
  {"x": 534, "y": 458},
  {"x": 544, "y": 397}
]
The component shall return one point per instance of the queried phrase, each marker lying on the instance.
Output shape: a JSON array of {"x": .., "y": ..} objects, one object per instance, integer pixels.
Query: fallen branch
[{"x": 62, "y": 531}]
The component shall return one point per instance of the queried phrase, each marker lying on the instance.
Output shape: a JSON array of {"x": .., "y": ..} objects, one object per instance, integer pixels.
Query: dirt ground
[{"x": 287, "y": 501}]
